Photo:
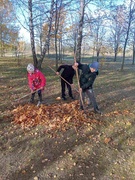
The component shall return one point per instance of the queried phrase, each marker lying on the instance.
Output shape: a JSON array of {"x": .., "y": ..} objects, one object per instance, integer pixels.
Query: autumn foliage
[{"x": 54, "y": 117}]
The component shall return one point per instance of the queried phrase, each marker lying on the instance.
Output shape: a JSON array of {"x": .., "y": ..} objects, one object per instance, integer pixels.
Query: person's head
[
  {"x": 75, "y": 65},
  {"x": 94, "y": 66},
  {"x": 30, "y": 68}
]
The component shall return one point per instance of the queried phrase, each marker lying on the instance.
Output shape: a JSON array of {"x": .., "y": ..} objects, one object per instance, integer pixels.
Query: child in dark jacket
[
  {"x": 36, "y": 81},
  {"x": 87, "y": 78},
  {"x": 68, "y": 74}
]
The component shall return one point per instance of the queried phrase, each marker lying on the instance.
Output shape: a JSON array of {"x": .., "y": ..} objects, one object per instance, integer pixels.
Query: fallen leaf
[
  {"x": 107, "y": 140},
  {"x": 55, "y": 117}
]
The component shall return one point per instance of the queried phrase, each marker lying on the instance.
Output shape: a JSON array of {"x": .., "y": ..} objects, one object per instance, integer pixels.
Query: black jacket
[
  {"x": 67, "y": 73},
  {"x": 87, "y": 77}
]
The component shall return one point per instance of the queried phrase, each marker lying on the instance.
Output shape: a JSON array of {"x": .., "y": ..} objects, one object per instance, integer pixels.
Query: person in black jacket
[
  {"x": 87, "y": 78},
  {"x": 68, "y": 74}
]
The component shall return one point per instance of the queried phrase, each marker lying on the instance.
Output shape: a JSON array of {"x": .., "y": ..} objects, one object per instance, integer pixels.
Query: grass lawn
[{"x": 101, "y": 147}]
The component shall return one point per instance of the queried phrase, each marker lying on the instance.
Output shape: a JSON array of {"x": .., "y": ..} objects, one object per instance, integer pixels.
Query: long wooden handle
[
  {"x": 78, "y": 83},
  {"x": 26, "y": 95}
]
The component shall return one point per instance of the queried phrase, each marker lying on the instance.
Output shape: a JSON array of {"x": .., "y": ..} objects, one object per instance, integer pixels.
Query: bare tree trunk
[
  {"x": 125, "y": 45},
  {"x": 59, "y": 49},
  {"x": 46, "y": 45},
  {"x": 133, "y": 61},
  {"x": 57, "y": 19},
  {"x": 80, "y": 30},
  {"x": 98, "y": 52},
  {"x": 127, "y": 33},
  {"x": 56, "y": 31},
  {"x": 115, "y": 53},
  {"x": 41, "y": 43},
  {"x": 32, "y": 33},
  {"x": 75, "y": 43}
]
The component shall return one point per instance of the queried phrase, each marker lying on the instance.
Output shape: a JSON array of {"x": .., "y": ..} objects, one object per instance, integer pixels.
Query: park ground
[{"x": 102, "y": 148}]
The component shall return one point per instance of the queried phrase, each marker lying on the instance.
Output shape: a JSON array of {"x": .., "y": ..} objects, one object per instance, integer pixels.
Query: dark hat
[{"x": 94, "y": 65}]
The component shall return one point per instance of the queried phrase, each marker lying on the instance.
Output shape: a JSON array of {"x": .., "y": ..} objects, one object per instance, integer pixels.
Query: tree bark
[
  {"x": 133, "y": 60},
  {"x": 46, "y": 45},
  {"x": 32, "y": 38},
  {"x": 130, "y": 15},
  {"x": 80, "y": 30},
  {"x": 116, "y": 52}
]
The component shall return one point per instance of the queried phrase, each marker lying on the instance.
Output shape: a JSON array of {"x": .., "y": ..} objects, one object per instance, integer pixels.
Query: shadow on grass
[
  {"x": 66, "y": 156},
  {"x": 72, "y": 157}
]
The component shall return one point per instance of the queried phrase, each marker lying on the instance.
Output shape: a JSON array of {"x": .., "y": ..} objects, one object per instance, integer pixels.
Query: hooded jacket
[
  {"x": 87, "y": 77},
  {"x": 36, "y": 80}
]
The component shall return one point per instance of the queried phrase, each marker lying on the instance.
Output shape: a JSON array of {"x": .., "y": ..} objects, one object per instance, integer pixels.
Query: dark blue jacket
[{"x": 87, "y": 77}]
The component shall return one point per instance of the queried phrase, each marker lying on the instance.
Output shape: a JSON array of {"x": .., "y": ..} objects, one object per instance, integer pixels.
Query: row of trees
[
  {"x": 97, "y": 26},
  {"x": 8, "y": 30}
]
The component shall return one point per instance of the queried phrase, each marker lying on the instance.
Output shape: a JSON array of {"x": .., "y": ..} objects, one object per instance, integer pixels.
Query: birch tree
[
  {"x": 31, "y": 27},
  {"x": 80, "y": 30},
  {"x": 133, "y": 59},
  {"x": 117, "y": 29},
  {"x": 98, "y": 32},
  {"x": 8, "y": 29},
  {"x": 47, "y": 42},
  {"x": 128, "y": 21},
  {"x": 29, "y": 10}
]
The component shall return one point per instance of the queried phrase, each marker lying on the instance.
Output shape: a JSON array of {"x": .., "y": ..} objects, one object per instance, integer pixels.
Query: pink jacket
[{"x": 36, "y": 80}]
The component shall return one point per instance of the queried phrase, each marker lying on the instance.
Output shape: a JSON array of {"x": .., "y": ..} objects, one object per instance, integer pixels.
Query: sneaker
[
  {"x": 31, "y": 101},
  {"x": 72, "y": 97},
  {"x": 39, "y": 103},
  {"x": 64, "y": 98},
  {"x": 89, "y": 105},
  {"x": 81, "y": 107},
  {"x": 97, "y": 111}
]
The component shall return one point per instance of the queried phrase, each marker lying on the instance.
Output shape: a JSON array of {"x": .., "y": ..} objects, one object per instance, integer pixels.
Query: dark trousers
[
  {"x": 39, "y": 95},
  {"x": 63, "y": 86},
  {"x": 91, "y": 96}
]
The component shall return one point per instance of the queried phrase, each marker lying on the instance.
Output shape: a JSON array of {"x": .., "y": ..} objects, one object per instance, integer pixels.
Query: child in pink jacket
[{"x": 36, "y": 81}]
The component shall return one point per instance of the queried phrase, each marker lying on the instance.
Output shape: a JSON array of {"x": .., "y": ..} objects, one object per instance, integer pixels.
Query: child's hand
[
  {"x": 80, "y": 89},
  {"x": 72, "y": 85},
  {"x": 31, "y": 91}
]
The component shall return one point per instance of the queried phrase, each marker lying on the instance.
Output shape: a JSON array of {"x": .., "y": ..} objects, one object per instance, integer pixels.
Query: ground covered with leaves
[
  {"x": 57, "y": 140},
  {"x": 55, "y": 117}
]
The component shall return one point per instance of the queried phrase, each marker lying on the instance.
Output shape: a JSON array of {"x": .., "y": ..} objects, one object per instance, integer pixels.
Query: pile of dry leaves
[{"x": 54, "y": 117}]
